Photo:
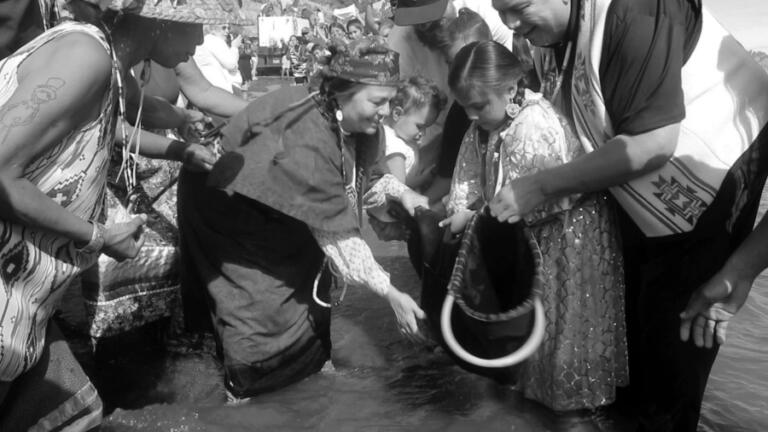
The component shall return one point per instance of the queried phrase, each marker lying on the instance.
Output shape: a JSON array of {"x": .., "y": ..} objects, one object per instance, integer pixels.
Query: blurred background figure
[
  {"x": 217, "y": 60},
  {"x": 354, "y": 29},
  {"x": 246, "y": 53}
]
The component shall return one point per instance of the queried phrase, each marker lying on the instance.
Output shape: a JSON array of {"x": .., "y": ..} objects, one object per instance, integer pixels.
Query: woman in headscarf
[
  {"x": 278, "y": 218},
  {"x": 59, "y": 100}
]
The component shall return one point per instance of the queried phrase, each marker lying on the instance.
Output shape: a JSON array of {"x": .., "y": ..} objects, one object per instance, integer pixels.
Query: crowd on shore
[{"x": 595, "y": 165}]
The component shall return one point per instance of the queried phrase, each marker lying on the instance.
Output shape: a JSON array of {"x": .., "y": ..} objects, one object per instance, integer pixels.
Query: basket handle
[{"x": 528, "y": 348}]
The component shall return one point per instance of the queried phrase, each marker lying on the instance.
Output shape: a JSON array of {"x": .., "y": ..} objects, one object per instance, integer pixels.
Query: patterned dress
[
  {"x": 583, "y": 356},
  {"x": 35, "y": 266}
]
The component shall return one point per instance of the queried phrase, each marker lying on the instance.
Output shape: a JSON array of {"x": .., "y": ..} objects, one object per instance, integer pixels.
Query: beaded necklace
[{"x": 129, "y": 160}]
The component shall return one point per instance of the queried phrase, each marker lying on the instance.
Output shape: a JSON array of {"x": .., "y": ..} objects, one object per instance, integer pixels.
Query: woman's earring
[
  {"x": 339, "y": 115},
  {"x": 512, "y": 109}
]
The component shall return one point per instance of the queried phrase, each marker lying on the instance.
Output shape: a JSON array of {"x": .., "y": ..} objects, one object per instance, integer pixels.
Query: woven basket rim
[{"x": 456, "y": 279}]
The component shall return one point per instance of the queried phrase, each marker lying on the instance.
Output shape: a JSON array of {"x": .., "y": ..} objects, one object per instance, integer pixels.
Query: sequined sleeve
[
  {"x": 388, "y": 186},
  {"x": 353, "y": 259},
  {"x": 537, "y": 140},
  {"x": 465, "y": 184}
]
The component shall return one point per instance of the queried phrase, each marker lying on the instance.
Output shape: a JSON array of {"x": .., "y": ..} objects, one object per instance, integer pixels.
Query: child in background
[
  {"x": 338, "y": 32},
  {"x": 285, "y": 62},
  {"x": 298, "y": 57},
  {"x": 316, "y": 58},
  {"x": 354, "y": 29},
  {"x": 414, "y": 108}
]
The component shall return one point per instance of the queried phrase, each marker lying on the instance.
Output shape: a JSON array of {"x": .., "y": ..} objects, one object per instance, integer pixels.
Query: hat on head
[
  {"x": 411, "y": 12},
  {"x": 186, "y": 11},
  {"x": 367, "y": 61}
]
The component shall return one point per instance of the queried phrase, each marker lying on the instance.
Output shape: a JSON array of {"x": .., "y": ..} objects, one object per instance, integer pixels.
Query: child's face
[
  {"x": 486, "y": 108},
  {"x": 338, "y": 33},
  {"x": 411, "y": 125},
  {"x": 355, "y": 32}
]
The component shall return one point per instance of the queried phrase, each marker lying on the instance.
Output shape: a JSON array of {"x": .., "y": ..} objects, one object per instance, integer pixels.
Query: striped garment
[{"x": 35, "y": 266}]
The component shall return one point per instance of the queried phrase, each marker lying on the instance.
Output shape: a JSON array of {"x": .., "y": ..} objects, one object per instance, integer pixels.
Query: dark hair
[
  {"x": 87, "y": 12},
  {"x": 432, "y": 34},
  {"x": 467, "y": 27},
  {"x": 354, "y": 22},
  {"x": 337, "y": 25},
  {"x": 486, "y": 65},
  {"x": 417, "y": 92}
]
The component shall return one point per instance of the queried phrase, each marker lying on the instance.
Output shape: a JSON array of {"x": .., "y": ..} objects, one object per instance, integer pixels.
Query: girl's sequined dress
[{"x": 584, "y": 355}]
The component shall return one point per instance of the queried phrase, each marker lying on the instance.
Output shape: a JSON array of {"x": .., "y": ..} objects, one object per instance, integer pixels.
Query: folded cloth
[{"x": 54, "y": 395}]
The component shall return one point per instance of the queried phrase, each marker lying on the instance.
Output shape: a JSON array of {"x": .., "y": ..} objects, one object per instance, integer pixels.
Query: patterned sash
[{"x": 726, "y": 102}]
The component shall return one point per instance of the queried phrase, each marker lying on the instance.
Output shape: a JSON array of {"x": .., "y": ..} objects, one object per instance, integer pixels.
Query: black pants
[{"x": 667, "y": 376}]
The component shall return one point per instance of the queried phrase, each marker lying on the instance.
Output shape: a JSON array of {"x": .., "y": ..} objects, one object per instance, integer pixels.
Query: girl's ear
[
  {"x": 396, "y": 113},
  {"x": 512, "y": 92}
]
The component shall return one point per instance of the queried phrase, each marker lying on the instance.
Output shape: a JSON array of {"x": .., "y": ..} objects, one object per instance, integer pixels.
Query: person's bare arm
[
  {"x": 396, "y": 166},
  {"x": 710, "y": 308},
  {"x": 157, "y": 113},
  {"x": 49, "y": 103},
  {"x": 60, "y": 88},
  {"x": 204, "y": 95},
  {"x": 620, "y": 160},
  {"x": 154, "y": 146}
]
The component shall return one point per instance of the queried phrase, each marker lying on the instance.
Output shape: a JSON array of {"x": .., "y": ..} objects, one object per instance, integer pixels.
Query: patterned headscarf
[
  {"x": 365, "y": 61},
  {"x": 187, "y": 11}
]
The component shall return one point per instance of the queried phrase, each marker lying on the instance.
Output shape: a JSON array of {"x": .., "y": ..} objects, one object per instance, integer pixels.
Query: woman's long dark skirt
[{"x": 249, "y": 270}]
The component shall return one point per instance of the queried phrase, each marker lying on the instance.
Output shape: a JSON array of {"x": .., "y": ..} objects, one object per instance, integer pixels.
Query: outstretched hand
[
  {"x": 711, "y": 308},
  {"x": 407, "y": 314}
]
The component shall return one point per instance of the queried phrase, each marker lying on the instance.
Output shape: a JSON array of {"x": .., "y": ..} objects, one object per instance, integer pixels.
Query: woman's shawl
[{"x": 283, "y": 152}]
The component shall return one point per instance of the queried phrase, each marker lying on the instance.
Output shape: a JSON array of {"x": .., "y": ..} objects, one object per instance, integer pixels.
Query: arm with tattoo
[{"x": 42, "y": 111}]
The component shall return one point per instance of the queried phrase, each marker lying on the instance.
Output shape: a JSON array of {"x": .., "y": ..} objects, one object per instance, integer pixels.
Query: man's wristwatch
[{"x": 97, "y": 239}]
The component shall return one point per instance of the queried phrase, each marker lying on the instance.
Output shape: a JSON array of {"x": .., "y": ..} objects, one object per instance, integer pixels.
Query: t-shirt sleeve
[
  {"x": 456, "y": 125},
  {"x": 640, "y": 70},
  {"x": 393, "y": 144}
]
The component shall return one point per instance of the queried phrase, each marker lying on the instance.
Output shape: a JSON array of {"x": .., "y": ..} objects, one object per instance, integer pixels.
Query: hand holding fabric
[
  {"x": 195, "y": 118},
  {"x": 516, "y": 198}
]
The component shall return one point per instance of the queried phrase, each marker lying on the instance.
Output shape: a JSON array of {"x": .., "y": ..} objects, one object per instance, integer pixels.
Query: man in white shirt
[{"x": 217, "y": 60}]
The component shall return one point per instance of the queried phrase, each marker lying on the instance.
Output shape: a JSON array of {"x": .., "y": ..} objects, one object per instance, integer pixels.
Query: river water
[{"x": 379, "y": 382}]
